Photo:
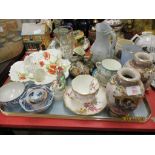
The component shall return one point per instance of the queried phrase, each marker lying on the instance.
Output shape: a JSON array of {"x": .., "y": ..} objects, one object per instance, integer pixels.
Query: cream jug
[{"x": 104, "y": 45}]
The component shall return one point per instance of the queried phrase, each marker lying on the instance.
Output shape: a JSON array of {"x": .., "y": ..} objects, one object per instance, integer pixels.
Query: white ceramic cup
[
  {"x": 85, "y": 88},
  {"x": 106, "y": 69}
]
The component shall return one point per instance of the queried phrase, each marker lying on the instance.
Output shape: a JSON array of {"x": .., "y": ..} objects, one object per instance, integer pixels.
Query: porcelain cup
[
  {"x": 85, "y": 88},
  {"x": 106, "y": 69}
]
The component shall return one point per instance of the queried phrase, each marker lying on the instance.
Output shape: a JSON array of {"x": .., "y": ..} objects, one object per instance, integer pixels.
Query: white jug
[{"x": 104, "y": 45}]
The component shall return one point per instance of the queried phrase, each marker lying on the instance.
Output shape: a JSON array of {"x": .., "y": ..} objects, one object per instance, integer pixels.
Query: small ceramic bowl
[
  {"x": 10, "y": 92},
  {"x": 85, "y": 87},
  {"x": 36, "y": 99}
]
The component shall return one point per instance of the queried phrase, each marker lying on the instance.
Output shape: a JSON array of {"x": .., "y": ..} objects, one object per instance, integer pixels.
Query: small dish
[
  {"x": 36, "y": 99},
  {"x": 85, "y": 108},
  {"x": 11, "y": 91}
]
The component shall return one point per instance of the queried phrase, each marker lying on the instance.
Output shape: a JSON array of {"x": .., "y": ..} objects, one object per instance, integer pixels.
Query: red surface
[{"x": 67, "y": 124}]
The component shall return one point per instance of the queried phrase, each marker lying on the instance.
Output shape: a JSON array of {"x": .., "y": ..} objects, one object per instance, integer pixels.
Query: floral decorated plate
[
  {"x": 18, "y": 72},
  {"x": 80, "y": 108},
  {"x": 45, "y": 61}
]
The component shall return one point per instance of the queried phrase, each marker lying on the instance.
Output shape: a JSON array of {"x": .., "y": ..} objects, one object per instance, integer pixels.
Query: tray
[{"x": 58, "y": 110}]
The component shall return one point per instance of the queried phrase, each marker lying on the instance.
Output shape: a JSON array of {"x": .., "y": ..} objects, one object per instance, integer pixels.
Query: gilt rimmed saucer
[{"x": 81, "y": 108}]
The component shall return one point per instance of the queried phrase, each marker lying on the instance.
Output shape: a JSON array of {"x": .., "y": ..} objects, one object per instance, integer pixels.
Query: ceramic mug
[
  {"x": 85, "y": 88},
  {"x": 106, "y": 69}
]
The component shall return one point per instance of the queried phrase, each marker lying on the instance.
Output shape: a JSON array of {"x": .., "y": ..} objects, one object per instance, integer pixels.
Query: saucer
[{"x": 77, "y": 107}]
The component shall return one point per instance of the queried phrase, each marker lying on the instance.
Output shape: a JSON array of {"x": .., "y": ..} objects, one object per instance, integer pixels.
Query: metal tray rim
[{"x": 80, "y": 117}]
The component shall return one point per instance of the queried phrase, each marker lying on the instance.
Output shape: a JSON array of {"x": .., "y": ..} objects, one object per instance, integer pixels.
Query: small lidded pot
[
  {"x": 85, "y": 88},
  {"x": 124, "y": 91},
  {"x": 143, "y": 63}
]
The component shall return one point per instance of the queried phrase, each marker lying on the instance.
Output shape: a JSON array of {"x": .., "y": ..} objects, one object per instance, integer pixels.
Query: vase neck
[
  {"x": 142, "y": 59},
  {"x": 128, "y": 76}
]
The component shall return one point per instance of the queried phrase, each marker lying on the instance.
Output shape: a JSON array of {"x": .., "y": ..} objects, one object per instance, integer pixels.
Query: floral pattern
[
  {"x": 46, "y": 60},
  {"x": 93, "y": 86},
  {"x": 90, "y": 106}
]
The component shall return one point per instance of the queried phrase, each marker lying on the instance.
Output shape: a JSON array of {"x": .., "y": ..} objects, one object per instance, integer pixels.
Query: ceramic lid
[
  {"x": 11, "y": 91},
  {"x": 34, "y": 96},
  {"x": 111, "y": 64}
]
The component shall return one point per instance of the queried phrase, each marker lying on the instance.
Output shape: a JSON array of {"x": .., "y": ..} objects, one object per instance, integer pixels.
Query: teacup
[
  {"x": 85, "y": 88},
  {"x": 106, "y": 69}
]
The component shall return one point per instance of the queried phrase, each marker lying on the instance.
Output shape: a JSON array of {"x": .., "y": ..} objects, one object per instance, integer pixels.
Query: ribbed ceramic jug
[{"x": 105, "y": 42}]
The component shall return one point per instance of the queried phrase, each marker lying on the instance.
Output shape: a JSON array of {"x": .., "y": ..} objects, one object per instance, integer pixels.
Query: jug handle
[
  {"x": 133, "y": 39},
  {"x": 113, "y": 44},
  {"x": 98, "y": 64}
]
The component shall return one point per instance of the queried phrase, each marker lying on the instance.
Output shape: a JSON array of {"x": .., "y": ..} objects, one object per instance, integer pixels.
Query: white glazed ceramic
[
  {"x": 143, "y": 63},
  {"x": 17, "y": 71},
  {"x": 106, "y": 69},
  {"x": 103, "y": 47},
  {"x": 39, "y": 75},
  {"x": 11, "y": 91},
  {"x": 147, "y": 39},
  {"x": 35, "y": 61},
  {"x": 120, "y": 43},
  {"x": 36, "y": 99},
  {"x": 85, "y": 87},
  {"x": 85, "y": 108},
  {"x": 29, "y": 64}
]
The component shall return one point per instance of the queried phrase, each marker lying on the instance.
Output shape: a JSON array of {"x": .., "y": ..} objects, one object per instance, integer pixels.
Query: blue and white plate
[{"x": 36, "y": 99}]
